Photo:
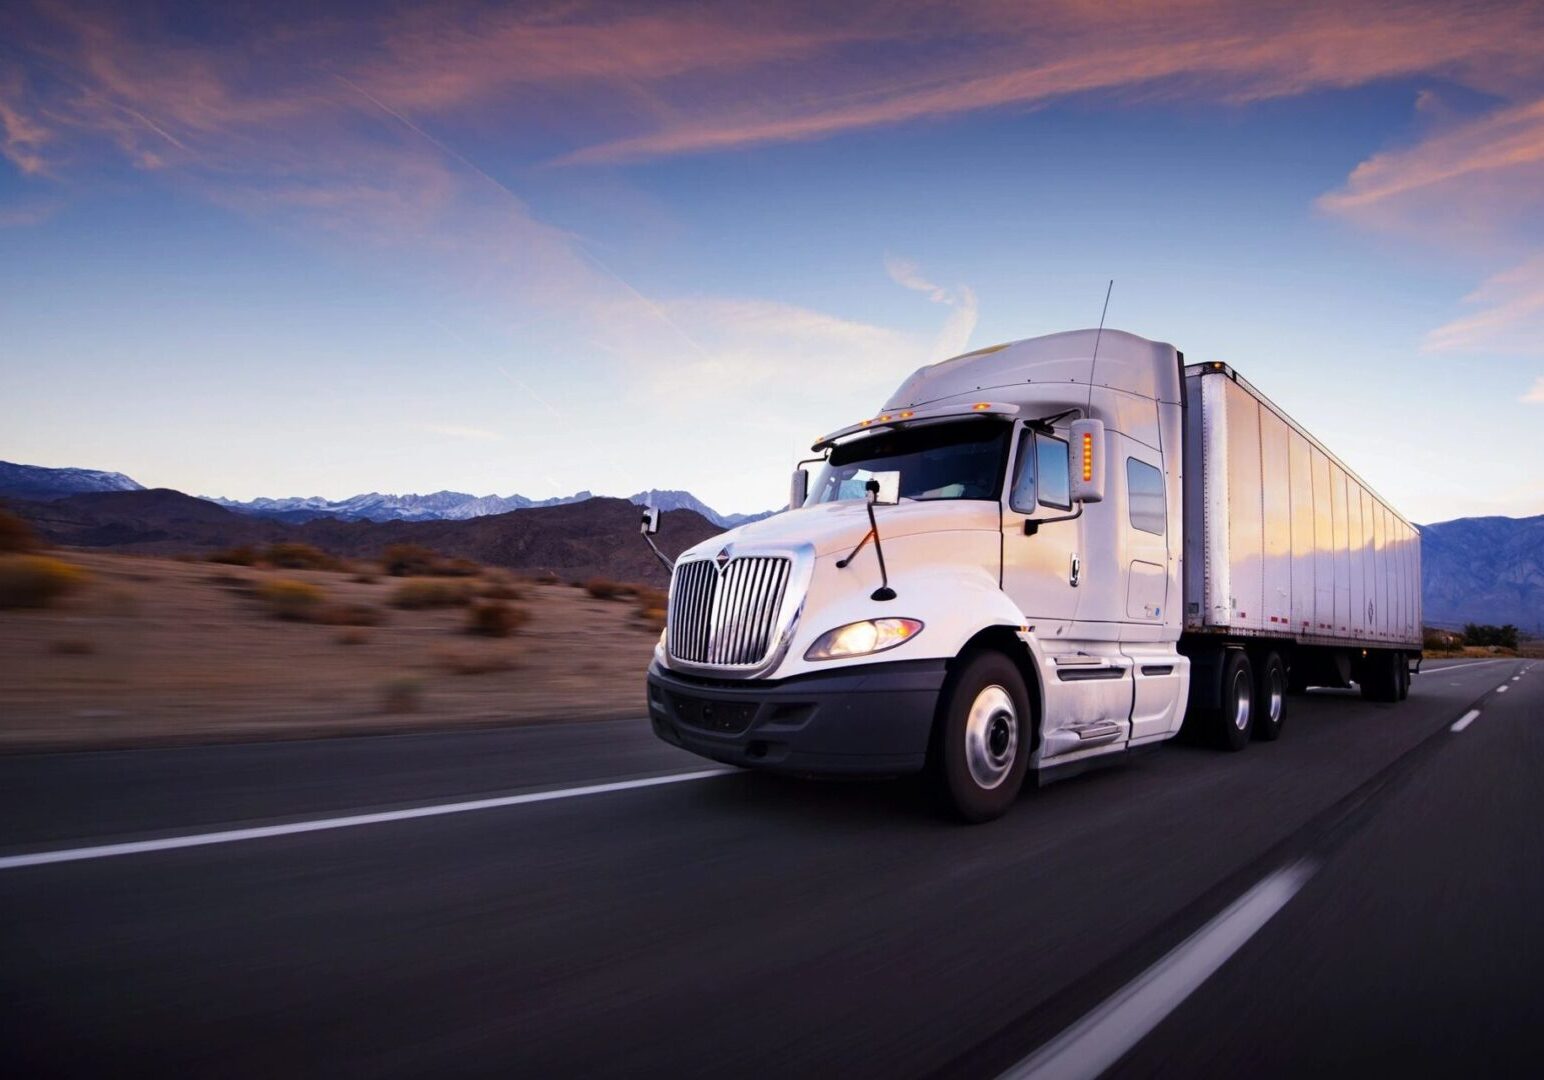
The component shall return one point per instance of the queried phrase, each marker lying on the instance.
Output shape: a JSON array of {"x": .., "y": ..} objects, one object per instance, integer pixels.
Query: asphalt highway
[{"x": 1361, "y": 897}]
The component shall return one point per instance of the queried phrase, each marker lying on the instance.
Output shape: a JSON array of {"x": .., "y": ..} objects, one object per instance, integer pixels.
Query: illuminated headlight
[{"x": 863, "y": 638}]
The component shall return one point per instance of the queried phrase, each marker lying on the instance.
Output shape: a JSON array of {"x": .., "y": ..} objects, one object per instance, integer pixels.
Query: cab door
[{"x": 1041, "y": 568}]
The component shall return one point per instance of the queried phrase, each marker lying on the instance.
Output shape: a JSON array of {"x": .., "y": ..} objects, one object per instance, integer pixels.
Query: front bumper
[{"x": 870, "y": 718}]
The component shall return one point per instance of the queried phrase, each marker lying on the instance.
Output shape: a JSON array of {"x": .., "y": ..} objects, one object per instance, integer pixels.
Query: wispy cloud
[
  {"x": 1510, "y": 320},
  {"x": 955, "y": 334},
  {"x": 459, "y": 431}
]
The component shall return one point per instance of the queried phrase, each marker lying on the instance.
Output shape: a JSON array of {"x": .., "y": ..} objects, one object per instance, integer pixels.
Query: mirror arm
[
  {"x": 884, "y": 592},
  {"x": 1032, "y": 525},
  {"x": 660, "y": 555}
]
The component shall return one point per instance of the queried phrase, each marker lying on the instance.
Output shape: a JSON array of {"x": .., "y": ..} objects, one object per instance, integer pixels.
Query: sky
[{"x": 311, "y": 249}]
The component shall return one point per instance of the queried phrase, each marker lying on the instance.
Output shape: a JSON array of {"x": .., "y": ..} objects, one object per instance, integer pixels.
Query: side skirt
[{"x": 1049, "y": 774}]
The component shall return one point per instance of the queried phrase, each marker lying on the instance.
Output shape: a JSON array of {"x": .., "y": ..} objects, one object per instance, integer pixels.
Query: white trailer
[{"x": 1034, "y": 558}]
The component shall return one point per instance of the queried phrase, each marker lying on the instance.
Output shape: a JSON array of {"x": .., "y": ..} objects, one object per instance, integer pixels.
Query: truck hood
[{"x": 838, "y": 526}]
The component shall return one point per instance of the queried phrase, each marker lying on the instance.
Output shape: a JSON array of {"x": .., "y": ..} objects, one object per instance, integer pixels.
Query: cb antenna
[{"x": 1094, "y": 364}]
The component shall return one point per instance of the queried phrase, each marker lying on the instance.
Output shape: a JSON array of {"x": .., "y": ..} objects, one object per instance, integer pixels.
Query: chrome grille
[{"x": 728, "y": 618}]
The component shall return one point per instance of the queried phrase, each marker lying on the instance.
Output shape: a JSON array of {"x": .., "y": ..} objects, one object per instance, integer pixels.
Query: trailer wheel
[
  {"x": 1270, "y": 701},
  {"x": 1380, "y": 676},
  {"x": 985, "y": 738},
  {"x": 1402, "y": 666},
  {"x": 1232, "y": 724}
]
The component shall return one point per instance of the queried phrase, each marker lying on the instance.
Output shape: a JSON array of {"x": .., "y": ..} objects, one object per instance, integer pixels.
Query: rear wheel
[
  {"x": 1233, "y": 723},
  {"x": 1270, "y": 697},
  {"x": 1402, "y": 666},
  {"x": 984, "y": 739},
  {"x": 1380, "y": 676}
]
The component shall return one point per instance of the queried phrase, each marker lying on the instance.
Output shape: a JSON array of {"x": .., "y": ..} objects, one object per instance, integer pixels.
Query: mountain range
[
  {"x": 1483, "y": 569},
  {"x": 35, "y": 483}
]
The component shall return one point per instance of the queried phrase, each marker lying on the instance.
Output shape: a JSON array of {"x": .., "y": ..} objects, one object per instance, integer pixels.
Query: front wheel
[{"x": 984, "y": 739}]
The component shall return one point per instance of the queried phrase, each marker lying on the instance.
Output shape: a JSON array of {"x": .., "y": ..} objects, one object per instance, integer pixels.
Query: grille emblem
[{"x": 722, "y": 559}]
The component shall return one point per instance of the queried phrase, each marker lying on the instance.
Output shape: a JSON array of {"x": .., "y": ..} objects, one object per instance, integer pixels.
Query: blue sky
[{"x": 584, "y": 246}]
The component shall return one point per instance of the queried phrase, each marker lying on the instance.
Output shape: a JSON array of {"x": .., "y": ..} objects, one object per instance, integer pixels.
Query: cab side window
[
  {"x": 1022, "y": 497},
  {"x": 1053, "y": 465},
  {"x": 1144, "y": 490}
]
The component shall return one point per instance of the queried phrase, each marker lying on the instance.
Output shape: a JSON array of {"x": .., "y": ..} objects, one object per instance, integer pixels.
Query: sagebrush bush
[
  {"x": 16, "y": 536},
  {"x": 240, "y": 555},
  {"x": 604, "y": 589},
  {"x": 494, "y": 618},
  {"x": 415, "y": 560},
  {"x": 430, "y": 593},
  {"x": 348, "y": 615},
  {"x": 499, "y": 585},
  {"x": 36, "y": 581},
  {"x": 649, "y": 607},
  {"x": 289, "y": 555},
  {"x": 297, "y": 601},
  {"x": 353, "y": 636}
]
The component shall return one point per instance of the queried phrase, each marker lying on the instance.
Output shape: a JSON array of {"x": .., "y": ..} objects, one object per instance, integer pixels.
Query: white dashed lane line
[
  {"x": 1465, "y": 720},
  {"x": 262, "y": 832}
]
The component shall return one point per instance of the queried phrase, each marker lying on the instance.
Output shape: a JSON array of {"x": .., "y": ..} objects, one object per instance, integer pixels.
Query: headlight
[{"x": 863, "y": 638}]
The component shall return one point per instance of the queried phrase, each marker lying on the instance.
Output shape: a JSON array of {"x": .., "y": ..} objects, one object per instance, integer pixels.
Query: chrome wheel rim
[
  {"x": 1241, "y": 700},
  {"x": 1278, "y": 692},
  {"x": 991, "y": 737}
]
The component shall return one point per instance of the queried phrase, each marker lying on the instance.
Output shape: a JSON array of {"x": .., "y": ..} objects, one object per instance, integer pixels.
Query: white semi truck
[{"x": 1036, "y": 557}]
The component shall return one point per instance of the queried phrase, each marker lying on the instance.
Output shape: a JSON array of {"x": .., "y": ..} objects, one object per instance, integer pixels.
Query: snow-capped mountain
[
  {"x": 33, "y": 482},
  {"x": 456, "y": 506}
]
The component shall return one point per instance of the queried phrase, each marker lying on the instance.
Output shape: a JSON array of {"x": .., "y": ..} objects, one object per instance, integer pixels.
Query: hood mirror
[
  {"x": 650, "y": 524},
  {"x": 884, "y": 488},
  {"x": 798, "y": 489}
]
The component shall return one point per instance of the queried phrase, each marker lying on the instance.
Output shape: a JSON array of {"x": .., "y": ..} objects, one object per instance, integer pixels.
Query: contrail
[{"x": 658, "y": 311}]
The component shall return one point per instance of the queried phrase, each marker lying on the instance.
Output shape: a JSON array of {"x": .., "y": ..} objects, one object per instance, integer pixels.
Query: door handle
[{"x": 1077, "y": 571}]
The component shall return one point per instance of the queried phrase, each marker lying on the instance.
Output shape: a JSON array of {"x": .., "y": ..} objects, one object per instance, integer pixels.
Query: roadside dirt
[{"x": 157, "y": 651}]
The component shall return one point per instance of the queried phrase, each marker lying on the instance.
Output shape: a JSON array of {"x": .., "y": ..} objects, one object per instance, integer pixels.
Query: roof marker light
[
  {"x": 981, "y": 406},
  {"x": 907, "y": 414}
]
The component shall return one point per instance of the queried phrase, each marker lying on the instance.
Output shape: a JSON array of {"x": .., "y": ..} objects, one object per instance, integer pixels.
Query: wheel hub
[{"x": 991, "y": 737}]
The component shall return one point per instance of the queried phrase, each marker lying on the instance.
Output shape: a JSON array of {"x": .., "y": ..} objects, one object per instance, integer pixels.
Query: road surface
[{"x": 1361, "y": 897}]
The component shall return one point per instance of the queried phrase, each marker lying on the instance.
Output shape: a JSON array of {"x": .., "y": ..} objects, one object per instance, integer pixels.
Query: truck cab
[{"x": 983, "y": 580}]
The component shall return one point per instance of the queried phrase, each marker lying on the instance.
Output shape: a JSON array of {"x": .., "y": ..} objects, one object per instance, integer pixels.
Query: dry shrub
[
  {"x": 241, "y": 555},
  {"x": 16, "y": 536},
  {"x": 297, "y": 601},
  {"x": 36, "y": 581},
  {"x": 430, "y": 593},
  {"x": 364, "y": 579},
  {"x": 353, "y": 636},
  {"x": 548, "y": 577},
  {"x": 348, "y": 615},
  {"x": 494, "y": 618},
  {"x": 500, "y": 585},
  {"x": 603, "y": 589},
  {"x": 468, "y": 662},
  {"x": 72, "y": 647},
  {"x": 402, "y": 694},
  {"x": 415, "y": 560},
  {"x": 288, "y": 555},
  {"x": 650, "y": 606}
]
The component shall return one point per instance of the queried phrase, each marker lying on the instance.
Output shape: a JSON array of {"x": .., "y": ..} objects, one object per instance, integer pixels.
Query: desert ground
[{"x": 152, "y": 651}]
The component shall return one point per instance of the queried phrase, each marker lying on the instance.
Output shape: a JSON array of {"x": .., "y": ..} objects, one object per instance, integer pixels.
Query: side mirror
[
  {"x": 1088, "y": 461},
  {"x": 798, "y": 489},
  {"x": 884, "y": 488},
  {"x": 650, "y": 524}
]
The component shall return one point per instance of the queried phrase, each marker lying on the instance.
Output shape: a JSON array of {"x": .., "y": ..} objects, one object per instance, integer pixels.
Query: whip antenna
[{"x": 1097, "y": 335}]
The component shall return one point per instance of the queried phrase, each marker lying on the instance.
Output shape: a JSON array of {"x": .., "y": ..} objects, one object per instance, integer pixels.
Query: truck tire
[
  {"x": 1270, "y": 697},
  {"x": 1402, "y": 666},
  {"x": 984, "y": 738},
  {"x": 1380, "y": 676},
  {"x": 1232, "y": 724}
]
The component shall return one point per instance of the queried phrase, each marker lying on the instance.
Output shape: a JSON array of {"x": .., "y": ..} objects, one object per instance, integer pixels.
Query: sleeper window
[{"x": 1144, "y": 490}]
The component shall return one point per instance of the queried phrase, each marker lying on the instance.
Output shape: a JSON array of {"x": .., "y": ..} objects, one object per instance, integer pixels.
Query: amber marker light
[
  {"x": 982, "y": 406},
  {"x": 1088, "y": 457},
  {"x": 907, "y": 415}
]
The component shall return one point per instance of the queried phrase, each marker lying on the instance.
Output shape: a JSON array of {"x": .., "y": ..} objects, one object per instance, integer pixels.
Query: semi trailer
[{"x": 1034, "y": 558}]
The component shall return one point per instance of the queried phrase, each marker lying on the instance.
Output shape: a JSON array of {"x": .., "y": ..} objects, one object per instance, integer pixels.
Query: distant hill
[
  {"x": 597, "y": 537},
  {"x": 1485, "y": 570},
  {"x": 37, "y": 483}
]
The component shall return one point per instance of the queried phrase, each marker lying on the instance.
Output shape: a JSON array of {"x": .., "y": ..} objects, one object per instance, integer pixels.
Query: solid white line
[
  {"x": 1465, "y": 720},
  {"x": 1100, "y": 1039},
  {"x": 228, "y": 836}
]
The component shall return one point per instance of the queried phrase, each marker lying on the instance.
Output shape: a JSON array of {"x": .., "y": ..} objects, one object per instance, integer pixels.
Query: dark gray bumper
[{"x": 874, "y": 718}]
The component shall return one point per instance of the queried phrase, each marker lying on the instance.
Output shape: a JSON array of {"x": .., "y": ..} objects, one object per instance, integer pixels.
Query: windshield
[{"x": 963, "y": 460}]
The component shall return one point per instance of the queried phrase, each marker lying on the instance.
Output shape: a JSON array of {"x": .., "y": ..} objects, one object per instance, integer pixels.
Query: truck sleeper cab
[{"x": 1034, "y": 557}]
